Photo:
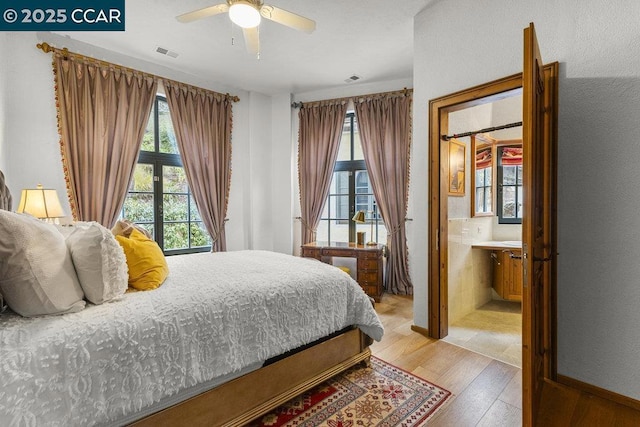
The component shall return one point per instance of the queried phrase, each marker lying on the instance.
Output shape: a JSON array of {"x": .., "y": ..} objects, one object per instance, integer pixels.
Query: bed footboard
[{"x": 241, "y": 400}]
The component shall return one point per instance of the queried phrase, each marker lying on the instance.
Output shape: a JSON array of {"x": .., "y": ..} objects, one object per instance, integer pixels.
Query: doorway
[{"x": 485, "y": 227}]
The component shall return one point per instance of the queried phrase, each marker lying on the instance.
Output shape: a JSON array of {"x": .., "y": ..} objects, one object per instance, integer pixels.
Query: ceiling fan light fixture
[{"x": 244, "y": 14}]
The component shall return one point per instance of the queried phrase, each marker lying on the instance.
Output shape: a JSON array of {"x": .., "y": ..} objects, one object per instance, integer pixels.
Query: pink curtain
[
  {"x": 202, "y": 122},
  {"x": 102, "y": 115},
  {"x": 385, "y": 131},
  {"x": 318, "y": 142}
]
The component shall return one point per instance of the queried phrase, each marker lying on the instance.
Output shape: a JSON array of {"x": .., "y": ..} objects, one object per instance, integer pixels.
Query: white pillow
[
  {"x": 36, "y": 272},
  {"x": 99, "y": 261}
]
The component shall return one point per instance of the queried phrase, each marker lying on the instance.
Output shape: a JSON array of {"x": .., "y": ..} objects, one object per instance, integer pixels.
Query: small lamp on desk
[
  {"x": 42, "y": 203},
  {"x": 360, "y": 218}
]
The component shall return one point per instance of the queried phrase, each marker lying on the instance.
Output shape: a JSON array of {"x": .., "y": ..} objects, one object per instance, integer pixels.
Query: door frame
[{"x": 439, "y": 109}]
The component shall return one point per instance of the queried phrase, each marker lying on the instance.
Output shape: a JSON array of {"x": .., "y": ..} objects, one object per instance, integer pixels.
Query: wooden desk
[{"x": 369, "y": 265}]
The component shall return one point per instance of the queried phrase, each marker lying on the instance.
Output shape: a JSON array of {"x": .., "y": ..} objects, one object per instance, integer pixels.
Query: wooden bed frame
[{"x": 243, "y": 399}]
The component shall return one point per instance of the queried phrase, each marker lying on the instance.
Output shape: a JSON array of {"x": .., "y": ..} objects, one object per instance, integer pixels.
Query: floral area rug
[{"x": 380, "y": 395}]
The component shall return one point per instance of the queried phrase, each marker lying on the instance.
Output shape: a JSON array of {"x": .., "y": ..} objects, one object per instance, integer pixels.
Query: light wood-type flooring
[{"x": 486, "y": 392}]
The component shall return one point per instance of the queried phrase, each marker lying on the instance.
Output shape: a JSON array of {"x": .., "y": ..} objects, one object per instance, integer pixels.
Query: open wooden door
[{"x": 539, "y": 232}]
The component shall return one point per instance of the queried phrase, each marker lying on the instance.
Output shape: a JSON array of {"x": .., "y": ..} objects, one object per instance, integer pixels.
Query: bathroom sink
[{"x": 514, "y": 243}]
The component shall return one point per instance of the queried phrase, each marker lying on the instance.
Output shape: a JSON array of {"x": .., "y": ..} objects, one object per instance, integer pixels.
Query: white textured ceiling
[{"x": 370, "y": 38}]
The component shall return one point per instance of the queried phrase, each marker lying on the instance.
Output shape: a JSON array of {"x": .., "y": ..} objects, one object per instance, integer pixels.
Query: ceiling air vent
[
  {"x": 167, "y": 52},
  {"x": 352, "y": 79}
]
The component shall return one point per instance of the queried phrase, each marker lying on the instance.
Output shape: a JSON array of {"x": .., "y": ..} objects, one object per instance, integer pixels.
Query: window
[
  {"x": 350, "y": 192},
  {"x": 482, "y": 179},
  {"x": 159, "y": 198},
  {"x": 510, "y": 184}
]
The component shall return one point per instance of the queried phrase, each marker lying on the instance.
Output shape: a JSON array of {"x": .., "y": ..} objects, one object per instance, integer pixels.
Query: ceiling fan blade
[
  {"x": 252, "y": 40},
  {"x": 287, "y": 18},
  {"x": 203, "y": 13}
]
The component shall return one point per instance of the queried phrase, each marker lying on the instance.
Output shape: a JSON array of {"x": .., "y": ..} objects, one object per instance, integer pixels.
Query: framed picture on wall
[{"x": 457, "y": 162}]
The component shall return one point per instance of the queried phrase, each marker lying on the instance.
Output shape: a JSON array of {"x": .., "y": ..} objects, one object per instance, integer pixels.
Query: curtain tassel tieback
[{"x": 218, "y": 232}]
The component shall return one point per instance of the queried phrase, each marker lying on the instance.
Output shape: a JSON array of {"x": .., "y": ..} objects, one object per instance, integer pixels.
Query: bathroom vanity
[{"x": 506, "y": 259}]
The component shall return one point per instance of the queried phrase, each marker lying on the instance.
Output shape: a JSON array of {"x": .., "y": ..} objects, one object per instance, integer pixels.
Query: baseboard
[
  {"x": 600, "y": 392},
  {"x": 420, "y": 330}
]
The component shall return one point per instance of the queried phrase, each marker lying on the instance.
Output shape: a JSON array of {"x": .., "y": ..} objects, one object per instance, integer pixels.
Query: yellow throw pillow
[{"x": 147, "y": 265}]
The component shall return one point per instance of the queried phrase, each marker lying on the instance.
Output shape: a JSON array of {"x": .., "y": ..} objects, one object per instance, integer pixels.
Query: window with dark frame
[
  {"x": 159, "y": 198},
  {"x": 350, "y": 192},
  {"x": 509, "y": 184}
]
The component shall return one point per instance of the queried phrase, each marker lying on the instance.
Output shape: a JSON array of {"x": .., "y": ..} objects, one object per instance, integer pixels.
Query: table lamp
[
  {"x": 360, "y": 218},
  {"x": 43, "y": 203}
]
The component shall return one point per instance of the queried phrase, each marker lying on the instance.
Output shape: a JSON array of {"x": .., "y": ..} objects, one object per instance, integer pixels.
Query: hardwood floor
[{"x": 486, "y": 392}]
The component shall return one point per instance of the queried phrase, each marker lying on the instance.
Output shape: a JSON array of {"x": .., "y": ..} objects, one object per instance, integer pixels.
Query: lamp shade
[
  {"x": 244, "y": 14},
  {"x": 359, "y": 217},
  {"x": 40, "y": 202}
]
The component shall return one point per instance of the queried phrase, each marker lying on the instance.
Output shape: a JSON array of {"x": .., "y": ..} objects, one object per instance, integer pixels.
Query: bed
[{"x": 226, "y": 338}]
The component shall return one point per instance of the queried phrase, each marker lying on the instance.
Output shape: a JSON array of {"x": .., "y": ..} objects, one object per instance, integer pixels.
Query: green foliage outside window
[{"x": 181, "y": 226}]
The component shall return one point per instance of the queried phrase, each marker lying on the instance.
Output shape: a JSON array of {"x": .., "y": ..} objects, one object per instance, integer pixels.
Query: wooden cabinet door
[{"x": 514, "y": 287}]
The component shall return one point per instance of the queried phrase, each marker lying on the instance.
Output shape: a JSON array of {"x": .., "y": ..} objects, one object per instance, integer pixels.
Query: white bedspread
[{"x": 216, "y": 314}]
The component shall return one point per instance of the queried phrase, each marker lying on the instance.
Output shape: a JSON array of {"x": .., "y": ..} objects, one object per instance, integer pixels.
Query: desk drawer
[
  {"x": 369, "y": 254},
  {"x": 311, "y": 252},
  {"x": 339, "y": 252},
  {"x": 367, "y": 264},
  {"x": 365, "y": 277}
]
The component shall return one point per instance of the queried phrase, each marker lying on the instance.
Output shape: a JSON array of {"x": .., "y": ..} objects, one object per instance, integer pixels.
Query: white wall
[
  {"x": 283, "y": 173},
  {"x": 4, "y": 61},
  {"x": 30, "y": 128},
  {"x": 597, "y": 43}
]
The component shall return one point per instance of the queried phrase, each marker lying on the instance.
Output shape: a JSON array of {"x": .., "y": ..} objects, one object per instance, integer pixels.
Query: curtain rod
[
  {"x": 462, "y": 135},
  {"x": 404, "y": 92},
  {"x": 47, "y": 48}
]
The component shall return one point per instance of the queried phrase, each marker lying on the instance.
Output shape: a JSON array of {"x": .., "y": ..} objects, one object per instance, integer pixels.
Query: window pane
[
  {"x": 176, "y": 236},
  {"x": 167, "y": 136},
  {"x": 509, "y": 175},
  {"x": 174, "y": 207},
  {"x": 340, "y": 183},
  {"x": 362, "y": 182},
  {"x": 322, "y": 232},
  {"x": 174, "y": 180},
  {"x": 199, "y": 235},
  {"x": 487, "y": 176},
  {"x": 519, "y": 213},
  {"x": 147, "y": 138},
  {"x": 149, "y": 228},
  {"x": 340, "y": 230},
  {"x": 508, "y": 202},
  {"x": 480, "y": 200},
  {"x": 519, "y": 174},
  {"x": 138, "y": 207},
  {"x": 193, "y": 210},
  {"x": 339, "y": 207},
  {"x": 142, "y": 178},
  {"x": 357, "y": 144},
  {"x": 344, "y": 152}
]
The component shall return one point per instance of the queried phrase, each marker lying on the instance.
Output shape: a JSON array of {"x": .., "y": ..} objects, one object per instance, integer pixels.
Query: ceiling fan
[{"x": 247, "y": 14}]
